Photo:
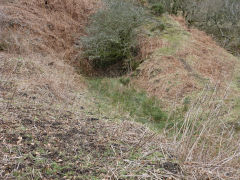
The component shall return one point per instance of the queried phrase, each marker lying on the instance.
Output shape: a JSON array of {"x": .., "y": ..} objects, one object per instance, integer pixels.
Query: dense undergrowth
[
  {"x": 112, "y": 35},
  {"x": 219, "y": 18}
]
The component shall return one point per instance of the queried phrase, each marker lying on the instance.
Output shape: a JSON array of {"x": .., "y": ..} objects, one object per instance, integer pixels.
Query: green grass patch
[
  {"x": 119, "y": 93},
  {"x": 170, "y": 31}
]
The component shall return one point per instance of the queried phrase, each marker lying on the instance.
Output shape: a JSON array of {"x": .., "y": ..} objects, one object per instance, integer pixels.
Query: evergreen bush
[{"x": 112, "y": 32}]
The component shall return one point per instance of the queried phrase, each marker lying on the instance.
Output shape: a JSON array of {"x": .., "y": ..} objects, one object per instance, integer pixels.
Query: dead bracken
[{"x": 52, "y": 126}]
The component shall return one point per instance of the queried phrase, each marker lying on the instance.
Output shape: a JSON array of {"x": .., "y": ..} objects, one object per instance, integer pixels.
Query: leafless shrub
[
  {"x": 217, "y": 17},
  {"x": 220, "y": 18}
]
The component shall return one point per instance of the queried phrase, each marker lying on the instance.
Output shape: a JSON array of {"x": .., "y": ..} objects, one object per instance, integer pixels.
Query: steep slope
[
  {"x": 49, "y": 27},
  {"x": 180, "y": 61}
]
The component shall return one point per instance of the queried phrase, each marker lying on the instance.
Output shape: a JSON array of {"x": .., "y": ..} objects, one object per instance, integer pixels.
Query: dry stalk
[{"x": 205, "y": 138}]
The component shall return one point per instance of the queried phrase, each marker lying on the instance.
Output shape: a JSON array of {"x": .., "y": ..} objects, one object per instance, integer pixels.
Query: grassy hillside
[
  {"x": 175, "y": 117},
  {"x": 182, "y": 61}
]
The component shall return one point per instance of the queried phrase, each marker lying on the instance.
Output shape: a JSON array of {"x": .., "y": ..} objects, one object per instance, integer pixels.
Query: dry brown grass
[
  {"x": 205, "y": 143},
  {"x": 186, "y": 66},
  {"x": 49, "y": 124},
  {"x": 52, "y": 28},
  {"x": 148, "y": 45},
  {"x": 49, "y": 129},
  {"x": 38, "y": 73},
  {"x": 46, "y": 117},
  {"x": 208, "y": 146}
]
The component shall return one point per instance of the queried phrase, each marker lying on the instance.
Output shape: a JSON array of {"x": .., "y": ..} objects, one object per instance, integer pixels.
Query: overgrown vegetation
[
  {"x": 217, "y": 17},
  {"x": 52, "y": 128},
  {"x": 118, "y": 91},
  {"x": 157, "y": 9},
  {"x": 112, "y": 34},
  {"x": 204, "y": 136},
  {"x": 171, "y": 6}
]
